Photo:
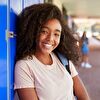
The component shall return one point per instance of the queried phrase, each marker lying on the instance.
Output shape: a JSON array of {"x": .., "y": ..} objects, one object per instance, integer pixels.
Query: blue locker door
[
  {"x": 11, "y": 53},
  {"x": 3, "y": 53},
  {"x": 15, "y": 7}
]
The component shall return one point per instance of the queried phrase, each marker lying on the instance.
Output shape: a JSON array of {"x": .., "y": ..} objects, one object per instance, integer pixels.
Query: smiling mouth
[{"x": 47, "y": 46}]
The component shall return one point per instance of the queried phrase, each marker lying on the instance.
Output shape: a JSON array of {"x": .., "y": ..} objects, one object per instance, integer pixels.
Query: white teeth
[{"x": 48, "y": 45}]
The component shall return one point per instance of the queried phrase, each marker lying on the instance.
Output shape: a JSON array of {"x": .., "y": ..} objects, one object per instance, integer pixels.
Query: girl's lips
[{"x": 47, "y": 45}]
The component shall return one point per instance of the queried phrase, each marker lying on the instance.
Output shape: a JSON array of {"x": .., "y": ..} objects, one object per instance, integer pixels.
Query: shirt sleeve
[
  {"x": 73, "y": 69},
  {"x": 23, "y": 77}
]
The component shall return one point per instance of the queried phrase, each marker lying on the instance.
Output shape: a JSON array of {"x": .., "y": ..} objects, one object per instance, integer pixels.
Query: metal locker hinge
[{"x": 10, "y": 34}]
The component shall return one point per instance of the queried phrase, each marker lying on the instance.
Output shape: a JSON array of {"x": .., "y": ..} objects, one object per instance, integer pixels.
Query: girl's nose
[{"x": 50, "y": 37}]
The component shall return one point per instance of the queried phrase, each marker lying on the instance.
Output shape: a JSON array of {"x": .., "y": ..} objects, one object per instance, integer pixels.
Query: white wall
[{"x": 58, "y": 3}]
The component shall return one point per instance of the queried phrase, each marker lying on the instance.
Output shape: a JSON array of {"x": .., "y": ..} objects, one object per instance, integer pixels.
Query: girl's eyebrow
[
  {"x": 48, "y": 28},
  {"x": 58, "y": 30}
]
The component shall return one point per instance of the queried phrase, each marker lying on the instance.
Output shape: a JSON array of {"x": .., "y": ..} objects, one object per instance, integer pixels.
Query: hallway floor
[{"x": 91, "y": 77}]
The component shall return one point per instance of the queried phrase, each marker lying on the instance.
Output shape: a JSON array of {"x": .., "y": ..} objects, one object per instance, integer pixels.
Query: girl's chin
[{"x": 47, "y": 51}]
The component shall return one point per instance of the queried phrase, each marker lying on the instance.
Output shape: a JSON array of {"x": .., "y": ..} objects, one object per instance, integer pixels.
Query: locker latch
[{"x": 10, "y": 34}]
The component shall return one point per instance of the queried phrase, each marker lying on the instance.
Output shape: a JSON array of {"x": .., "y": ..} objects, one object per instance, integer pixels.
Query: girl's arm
[
  {"x": 27, "y": 94},
  {"x": 79, "y": 89}
]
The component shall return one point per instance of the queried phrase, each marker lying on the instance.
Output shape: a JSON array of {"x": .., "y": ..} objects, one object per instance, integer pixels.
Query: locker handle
[{"x": 10, "y": 34}]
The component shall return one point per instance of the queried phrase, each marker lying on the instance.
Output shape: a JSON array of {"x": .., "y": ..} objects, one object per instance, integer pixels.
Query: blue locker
[
  {"x": 5, "y": 80},
  {"x": 3, "y": 53}
]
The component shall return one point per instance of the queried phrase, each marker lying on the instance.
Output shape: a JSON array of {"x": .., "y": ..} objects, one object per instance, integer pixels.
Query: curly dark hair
[{"x": 29, "y": 23}]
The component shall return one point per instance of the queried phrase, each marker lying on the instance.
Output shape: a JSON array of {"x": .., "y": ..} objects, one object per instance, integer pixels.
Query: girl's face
[{"x": 49, "y": 37}]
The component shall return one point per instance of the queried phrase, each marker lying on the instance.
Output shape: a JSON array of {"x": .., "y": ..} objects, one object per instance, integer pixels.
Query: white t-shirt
[{"x": 52, "y": 82}]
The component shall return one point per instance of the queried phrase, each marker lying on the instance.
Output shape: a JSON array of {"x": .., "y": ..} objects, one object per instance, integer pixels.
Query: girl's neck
[{"x": 44, "y": 58}]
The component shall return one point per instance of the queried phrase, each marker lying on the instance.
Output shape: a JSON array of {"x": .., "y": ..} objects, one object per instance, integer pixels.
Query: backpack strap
[{"x": 64, "y": 61}]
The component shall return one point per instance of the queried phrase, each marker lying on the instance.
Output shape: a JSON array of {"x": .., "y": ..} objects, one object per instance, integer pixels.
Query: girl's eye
[
  {"x": 56, "y": 34},
  {"x": 44, "y": 31}
]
